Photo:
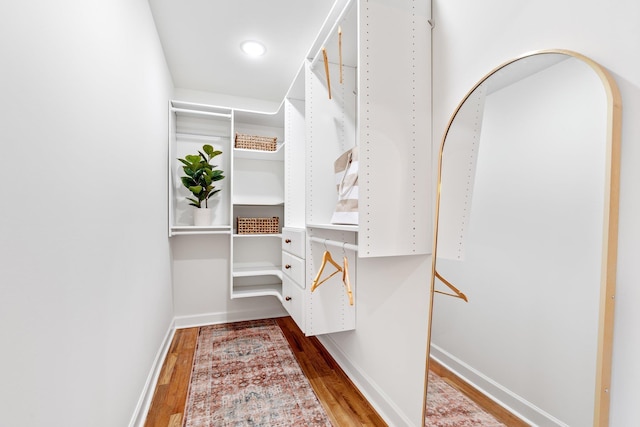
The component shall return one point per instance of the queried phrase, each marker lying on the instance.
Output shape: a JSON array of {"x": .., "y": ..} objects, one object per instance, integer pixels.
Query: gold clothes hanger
[
  {"x": 457, "y": 293},
  {"x": 326, "y": 257},
  {"x": 345, "y": 279},
  {"x": 326, "y": 70}
]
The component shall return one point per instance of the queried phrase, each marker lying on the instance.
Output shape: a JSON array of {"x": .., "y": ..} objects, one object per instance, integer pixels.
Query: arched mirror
[{"x": 524, "y": 256}]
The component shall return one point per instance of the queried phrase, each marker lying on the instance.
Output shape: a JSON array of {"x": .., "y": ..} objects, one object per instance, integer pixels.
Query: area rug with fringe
[
  {"x": 448, "y": 407},
  {"x": 245, "y": 374}
]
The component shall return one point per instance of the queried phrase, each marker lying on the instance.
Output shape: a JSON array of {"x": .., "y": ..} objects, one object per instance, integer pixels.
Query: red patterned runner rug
[
  {"x": 448, "y": 407},
  {"x": 245, "y": 374}
]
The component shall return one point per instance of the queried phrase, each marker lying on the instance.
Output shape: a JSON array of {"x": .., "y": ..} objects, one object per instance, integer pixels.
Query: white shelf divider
[
  {"x": 258, "y": 271},
  {"x": 258, "y": 291},
  {"x": 277, "y": 155},
  {"x": 178, "y": 230},
  {"x": 337, "y": 227}
]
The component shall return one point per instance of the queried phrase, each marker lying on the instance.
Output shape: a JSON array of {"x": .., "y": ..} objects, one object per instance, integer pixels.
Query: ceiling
[{"x": 201, "y": 41}]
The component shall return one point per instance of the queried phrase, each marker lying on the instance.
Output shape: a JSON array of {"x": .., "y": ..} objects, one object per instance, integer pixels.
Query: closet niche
[
  {"x": 525, "y": 240},
  {"x": 362, "y": 85}
]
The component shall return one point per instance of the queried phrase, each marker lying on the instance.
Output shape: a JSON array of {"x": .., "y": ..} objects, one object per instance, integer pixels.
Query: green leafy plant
[{"x": 200, "y": 174}]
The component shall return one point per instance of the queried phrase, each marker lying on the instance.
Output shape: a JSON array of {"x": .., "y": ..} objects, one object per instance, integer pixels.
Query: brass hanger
[
  {"x": 457, "y": 293},
  {"x": 326, "y": 70},
  {"x": 326, "y": 257},
  {"x": 345, "y": 279}
]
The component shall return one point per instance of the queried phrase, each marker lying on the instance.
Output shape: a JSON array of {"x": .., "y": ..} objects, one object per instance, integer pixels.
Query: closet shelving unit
[
  {"x": 258, "y": 192},
  {"x": 253, "y": 188},
  {"x": 381, "y": 49}
]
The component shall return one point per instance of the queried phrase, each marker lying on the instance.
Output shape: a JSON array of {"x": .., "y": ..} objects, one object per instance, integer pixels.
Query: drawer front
[
  {"x": 293, "y": 241},
  {"x": 293, "y": 301},
  {"x": 293, "y": 267}
]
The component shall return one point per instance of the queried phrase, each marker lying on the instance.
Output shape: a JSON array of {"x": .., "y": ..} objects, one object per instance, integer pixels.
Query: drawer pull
[
  {"x": 287, "y": 298},
  {"x": 287, "y": 240},
  {"x": 287, "y": 266}
]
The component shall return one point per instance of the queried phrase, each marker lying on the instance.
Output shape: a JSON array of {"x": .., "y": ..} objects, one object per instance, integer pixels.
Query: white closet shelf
[
  {"x": 249, "y": 236},
  {"x": 244, "y": 153},
  {"x": 250, "y": 291},
  {"x": 257, "y": 200},
  {"x": 192, "y": 229},
  {"x": 195, "y": 109},
  {"x": 258, "y": 271},
  {"x": 196, "y": 137},
  {"x": 338, "y": 227}
]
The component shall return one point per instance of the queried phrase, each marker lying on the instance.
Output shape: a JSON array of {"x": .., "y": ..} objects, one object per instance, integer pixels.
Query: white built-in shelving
[
  {"x": 190, "y": 127},
  {"x": 380, "y": 104},
  {"x": 258, "y": 192}
]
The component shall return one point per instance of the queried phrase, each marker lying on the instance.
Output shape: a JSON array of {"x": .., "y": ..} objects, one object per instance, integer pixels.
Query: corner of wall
[{"x": 144, "y": 402}]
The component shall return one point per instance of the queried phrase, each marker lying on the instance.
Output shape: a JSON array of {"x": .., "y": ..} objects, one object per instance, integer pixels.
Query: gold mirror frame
[{"x": 609, "y": 241}]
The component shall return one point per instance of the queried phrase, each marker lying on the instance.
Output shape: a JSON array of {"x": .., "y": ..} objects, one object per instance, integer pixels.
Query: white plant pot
[{"x": 202, "y": 217}]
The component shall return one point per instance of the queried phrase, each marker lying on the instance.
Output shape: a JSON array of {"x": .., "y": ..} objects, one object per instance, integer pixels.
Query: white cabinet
[
  {"x": 293, "y": 302},
  {"x": 294, "y": 275},
  {"x": 293, "y": 241}
]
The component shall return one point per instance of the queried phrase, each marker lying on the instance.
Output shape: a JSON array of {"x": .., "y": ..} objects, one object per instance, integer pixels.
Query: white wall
[
  {"x": 470, "y": 38},
  {"x": 85, "y": 292},
  {"x": 387, "y": 348},
  {"x": 198, "y": 301}
]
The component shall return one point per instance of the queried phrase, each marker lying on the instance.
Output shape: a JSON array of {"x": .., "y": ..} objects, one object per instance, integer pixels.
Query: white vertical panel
[
  {"x": 456, "y": 186},
  {"x": 294, "y": 185},
  {"x": 394, "y": 128},
  {"x": 171, "y": 155}
]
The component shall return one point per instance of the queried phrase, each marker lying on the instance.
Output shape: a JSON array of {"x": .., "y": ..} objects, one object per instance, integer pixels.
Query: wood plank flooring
[
  {"x": 499, "y": 413},
  {"x": 342, "y": 401}
]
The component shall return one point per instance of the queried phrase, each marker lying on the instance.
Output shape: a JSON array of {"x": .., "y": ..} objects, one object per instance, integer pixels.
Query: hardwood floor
[
  {"x": 342, "y": 401},
  {"x": 499, "y": 413},
  {"x": 169, "y": 399}
]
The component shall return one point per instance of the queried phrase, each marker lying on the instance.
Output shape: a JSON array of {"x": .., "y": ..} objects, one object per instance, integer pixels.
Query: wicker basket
[
  {"x": 259, "y": 225},
  {"x": 254, "y": 142}
]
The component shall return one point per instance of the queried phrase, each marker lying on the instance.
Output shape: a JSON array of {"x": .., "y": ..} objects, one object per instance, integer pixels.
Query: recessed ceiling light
[{"x": 253, "y": 48}]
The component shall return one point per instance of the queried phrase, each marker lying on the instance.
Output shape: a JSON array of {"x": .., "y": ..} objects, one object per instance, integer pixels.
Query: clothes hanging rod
[
  {"x": 203, "y": 113},
  {"x": 335, "y": 243},
  {"x": 336, "y": 24}
]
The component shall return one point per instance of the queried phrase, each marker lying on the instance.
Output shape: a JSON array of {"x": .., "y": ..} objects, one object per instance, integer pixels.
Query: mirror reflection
[{"x": 521, "y": 260}]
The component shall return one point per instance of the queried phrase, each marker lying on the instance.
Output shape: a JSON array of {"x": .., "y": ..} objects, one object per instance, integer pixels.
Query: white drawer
[
  {"x": 293, "y": 301},
  {"x": 293, "y": 267},
  {"x": 293, "y": 241}
]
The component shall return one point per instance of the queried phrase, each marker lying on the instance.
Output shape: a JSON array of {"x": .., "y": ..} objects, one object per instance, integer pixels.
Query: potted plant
[{"x": 199, "y": 179}]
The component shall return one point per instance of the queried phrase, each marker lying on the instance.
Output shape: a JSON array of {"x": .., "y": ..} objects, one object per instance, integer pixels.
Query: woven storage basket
[
  {"x": 255, "y": 142},
  {"x": 259, "y": 225}
]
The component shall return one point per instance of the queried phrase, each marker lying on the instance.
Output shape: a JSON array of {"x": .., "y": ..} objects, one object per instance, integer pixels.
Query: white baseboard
[
  {"x": 504, "y": 397},
  {"x": 371, "y": 391},
  {"x": 144, "y": 402},
  {"x": 226, "y": 317}
]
